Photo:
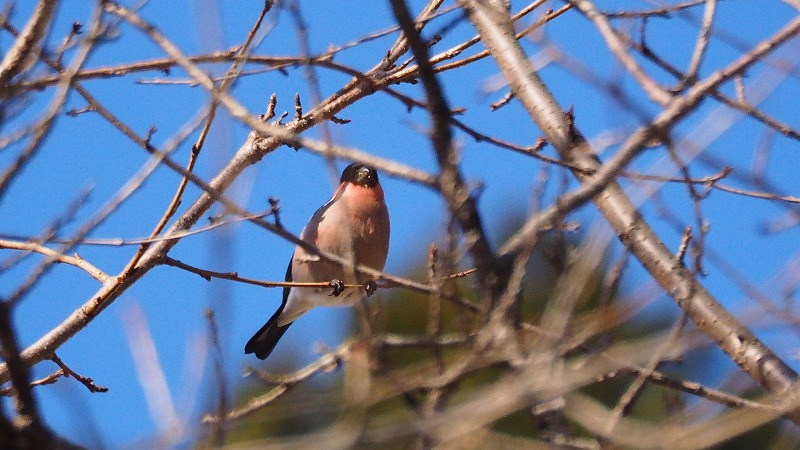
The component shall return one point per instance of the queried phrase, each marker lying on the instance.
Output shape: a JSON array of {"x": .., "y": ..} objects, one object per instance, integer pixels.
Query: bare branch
[
  {"x": 76, "y": 260},
  {"x": 653, "y": 90},
  {"x": 19, "y": 55},
  {"x": 735, "y": 339},
  {"x": 86, "y": 381},
  {"x": 460, "y": 201}
]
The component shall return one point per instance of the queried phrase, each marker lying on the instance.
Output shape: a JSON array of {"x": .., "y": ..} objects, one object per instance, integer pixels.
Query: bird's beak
[{"x": 362, "y": 175}]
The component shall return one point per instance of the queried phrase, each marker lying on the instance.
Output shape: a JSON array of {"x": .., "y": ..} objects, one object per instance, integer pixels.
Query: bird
[{"x": 353, "y": 224}]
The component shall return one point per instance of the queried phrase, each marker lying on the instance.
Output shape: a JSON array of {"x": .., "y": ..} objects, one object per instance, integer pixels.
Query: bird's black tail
[{"x": 264, "y": 341}]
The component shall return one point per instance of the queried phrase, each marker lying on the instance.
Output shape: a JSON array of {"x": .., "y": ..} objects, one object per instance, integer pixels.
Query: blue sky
[{"x": 86, "y": 152}]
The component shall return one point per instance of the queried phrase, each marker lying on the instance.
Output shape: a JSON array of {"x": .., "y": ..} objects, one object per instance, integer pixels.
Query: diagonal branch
[
  {"x": 55, "y": 255},
  {"x": 459, "y": 200},
  {"x": 755, "y": 358},
  {"x": 701, "y": 45},
  {"x": 615, "y": 44},
  {"x": 20, "y": 52}
]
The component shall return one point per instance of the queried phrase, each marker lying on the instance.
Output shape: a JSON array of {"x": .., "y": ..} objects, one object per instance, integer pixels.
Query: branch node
[
  {"x": 274, "y": 210},
  {"x": 273, "y": 101},
  {"x": 86, "y": 381},
  {"x": 502, "y": 102},
  {"x": 298, "y": 108},
  {"x": 685, "y": 241},
  {"x": 339, "y": 121}
]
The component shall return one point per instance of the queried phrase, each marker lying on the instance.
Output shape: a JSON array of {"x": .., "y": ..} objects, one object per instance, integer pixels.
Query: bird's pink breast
[{"x": 364, "y": 195}]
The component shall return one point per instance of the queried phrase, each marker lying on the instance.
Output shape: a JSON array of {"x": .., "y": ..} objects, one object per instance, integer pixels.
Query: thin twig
[
  {"x": 282, "y": 384},
  {"x": 219, "y": 431},
  {"x": 49, "y": 379},
  {"x": 86, "y": 381},
  {"x": 76, "y": 260}
]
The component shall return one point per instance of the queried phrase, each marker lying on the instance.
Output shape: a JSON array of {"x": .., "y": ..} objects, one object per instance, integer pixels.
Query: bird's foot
[
  {"x": 370, "y": 286},
  {"x": 337, "y": 286}
]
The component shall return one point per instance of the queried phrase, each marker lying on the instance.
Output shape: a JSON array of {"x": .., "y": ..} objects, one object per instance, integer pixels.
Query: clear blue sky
[{"x": 87, "y": 152}]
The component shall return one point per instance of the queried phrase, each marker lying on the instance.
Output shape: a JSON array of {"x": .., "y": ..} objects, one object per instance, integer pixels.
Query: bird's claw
[
  {"x": 337, "y": 286},
  {"x": 370, "y": 286}
]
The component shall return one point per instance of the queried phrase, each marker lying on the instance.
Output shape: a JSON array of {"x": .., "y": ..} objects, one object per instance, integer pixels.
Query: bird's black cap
[{"x": 360, "y": 174}]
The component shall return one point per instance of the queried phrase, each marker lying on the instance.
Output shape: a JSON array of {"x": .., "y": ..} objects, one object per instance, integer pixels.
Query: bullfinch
[{"x": 353, "y": 224}]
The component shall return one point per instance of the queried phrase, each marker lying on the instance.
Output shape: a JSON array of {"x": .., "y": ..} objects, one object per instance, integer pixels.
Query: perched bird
[{"x": 353, "y": 224}]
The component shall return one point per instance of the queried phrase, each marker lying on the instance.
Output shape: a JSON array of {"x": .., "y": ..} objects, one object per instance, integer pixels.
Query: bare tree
[{"x": 484, "y": 355}]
